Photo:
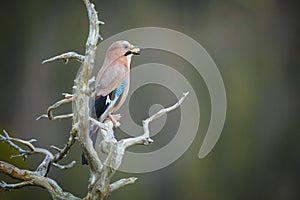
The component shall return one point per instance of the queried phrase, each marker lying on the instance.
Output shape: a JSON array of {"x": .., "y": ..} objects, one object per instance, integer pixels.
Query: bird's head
[{"x": 122, "y": 49}]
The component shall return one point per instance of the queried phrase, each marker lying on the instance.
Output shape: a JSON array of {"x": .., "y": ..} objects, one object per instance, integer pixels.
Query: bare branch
[
  {"x": 55, "y": 148},
  {"x": 99, "y": 124},
  {"x": 32, "y": 148},
  {"x": 68, "y": 99},
  {"x": 122, "y": 182},
  {"x": 33, "y": 178},
  {"x": 63, "y": 152},
  {"x": 56, "y": 105},
  {"x": 67, "y": 95},
  {"x": 6, "y": 186},
  {"x": 7, "y": 140},
  {"x": 145, "y": 138},
  {"x": 63, "y": 167},
  {"x": 65, "y": 57},
  {"x": 58, "y": 117},
  {"x": 82, "y": 88},
  {"x": 164, "y": 111},
  {"x": 10, "y": 140}
]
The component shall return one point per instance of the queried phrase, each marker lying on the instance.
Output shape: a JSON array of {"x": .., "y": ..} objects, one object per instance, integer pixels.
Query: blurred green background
[{"x": 255, "y": 44}]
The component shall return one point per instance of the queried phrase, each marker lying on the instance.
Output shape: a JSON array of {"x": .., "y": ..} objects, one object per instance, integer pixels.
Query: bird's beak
[{"x": 134, "y": 50}]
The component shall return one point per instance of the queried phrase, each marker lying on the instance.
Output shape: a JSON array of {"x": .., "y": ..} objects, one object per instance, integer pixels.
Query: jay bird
[{"x": 112, "y": 80}]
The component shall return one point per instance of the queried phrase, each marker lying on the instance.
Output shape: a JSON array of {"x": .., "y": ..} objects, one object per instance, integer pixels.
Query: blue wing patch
[{"x": 120, "y": 89}]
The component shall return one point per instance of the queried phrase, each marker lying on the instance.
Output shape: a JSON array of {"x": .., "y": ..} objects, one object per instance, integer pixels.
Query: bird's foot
[{"x": 115, "y": 119}]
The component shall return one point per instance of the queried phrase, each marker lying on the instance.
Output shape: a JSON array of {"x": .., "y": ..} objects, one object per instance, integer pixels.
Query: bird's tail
[
  {"x": 83, "y": 159},
  {"x": 97, "y": 108}
]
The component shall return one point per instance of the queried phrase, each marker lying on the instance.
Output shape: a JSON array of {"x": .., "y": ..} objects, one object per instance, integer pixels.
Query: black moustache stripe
[
  {"x": 127, "y": 53},
  {"x": 130, "y": 52}
]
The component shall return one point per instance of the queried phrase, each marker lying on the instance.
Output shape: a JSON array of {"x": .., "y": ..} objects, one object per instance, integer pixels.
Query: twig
[
  {"x": 122, "y": 182},
  {"x": 6, "y": 186},
  {"x": 55, "y": 148},
  {"x": 97, "y": 123},
  {"x": 32, "y": 148},
  {"x": 65, "y": 57},
  {"x": 68, "y": 98},
  {"x": 63, "y": 152},
  {"x": 63, "y": 167},
  {"x": 58, "y": 117},
  {"x": 7, "y": 140}
]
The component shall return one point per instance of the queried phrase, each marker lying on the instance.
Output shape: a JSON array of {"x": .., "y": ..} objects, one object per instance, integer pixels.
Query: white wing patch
[{"x": 108, "y": 101}]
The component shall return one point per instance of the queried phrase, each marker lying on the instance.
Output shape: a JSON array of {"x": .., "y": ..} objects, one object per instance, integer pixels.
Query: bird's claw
[{"x": 115, "y": 119}]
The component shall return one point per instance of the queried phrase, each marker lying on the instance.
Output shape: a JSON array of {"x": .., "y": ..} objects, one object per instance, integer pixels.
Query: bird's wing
[
  {"x": 110, "y": 78},
  {"x": 124, "y": 93}
]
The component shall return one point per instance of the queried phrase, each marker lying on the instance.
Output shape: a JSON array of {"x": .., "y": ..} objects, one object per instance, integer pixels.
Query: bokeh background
[{"x": 255, "y": 44}]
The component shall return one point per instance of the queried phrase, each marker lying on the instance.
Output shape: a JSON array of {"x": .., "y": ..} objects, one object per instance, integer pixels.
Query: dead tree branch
[
  {"x": 33, "y": 178},
  {"x": 68, "y": 99},
  {"x": 121, "y": 183},
  {"x": 82, "y": 90},
  {"x": 65, "y": 57}
]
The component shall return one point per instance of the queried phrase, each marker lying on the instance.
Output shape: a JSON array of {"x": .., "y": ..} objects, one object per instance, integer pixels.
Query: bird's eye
[{"x": 126, "y": 46}]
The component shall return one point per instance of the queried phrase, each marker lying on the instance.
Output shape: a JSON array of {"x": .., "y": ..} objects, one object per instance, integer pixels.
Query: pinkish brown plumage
[
  {"x": 113, "y": 79},
  {"x": 114, "y": 71}
]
